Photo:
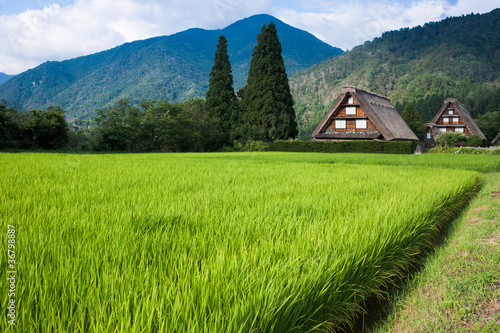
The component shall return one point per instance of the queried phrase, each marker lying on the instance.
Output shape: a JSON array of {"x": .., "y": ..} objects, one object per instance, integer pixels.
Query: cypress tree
[
  {"x": 266, "y": 100},
  {"x": 220, "y": 98}
]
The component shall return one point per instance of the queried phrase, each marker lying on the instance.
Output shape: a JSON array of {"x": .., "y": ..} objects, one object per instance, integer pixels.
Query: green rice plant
[
  {"x": 481, "y": 163},
  {"x": 254, "y": 242}
]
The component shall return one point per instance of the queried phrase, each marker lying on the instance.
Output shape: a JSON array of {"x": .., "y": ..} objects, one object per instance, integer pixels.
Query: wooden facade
[
  {"x": 451, "y": 117},
  {"x": 357, "y": 114},
  {"x": 350, "y": 118}
]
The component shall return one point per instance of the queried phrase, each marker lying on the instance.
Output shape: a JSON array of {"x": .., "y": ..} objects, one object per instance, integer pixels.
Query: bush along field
[{"x": 242, "y": 242}]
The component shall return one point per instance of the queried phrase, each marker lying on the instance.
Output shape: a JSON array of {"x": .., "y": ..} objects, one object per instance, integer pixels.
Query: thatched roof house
[
  {"x": 496, "y": 140},
  {"x": 451, "y": 117},
  {"x": 357, "y": 114}
]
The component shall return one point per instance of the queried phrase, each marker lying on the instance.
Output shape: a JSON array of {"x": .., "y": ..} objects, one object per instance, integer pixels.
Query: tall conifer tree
[
  {"x": 221, "y": 99},
  {"x": 266, "y": 100}
]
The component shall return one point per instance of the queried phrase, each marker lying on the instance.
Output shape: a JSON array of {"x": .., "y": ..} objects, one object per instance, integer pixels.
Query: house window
[
  {"x": 446, "y": 120},
  {"x": 350, "y": 100},
  {"x": 442, "y": 129},
  {"x": 360, "y": 123},
  {"x": 350, "y": 110},
  {"x": 455, "y": 120},
  {"x": 450, "y": 111},
  {"x": 459, "y": 129},
  {"x": 339, "y": 123},
  {"x": 428, "y": 135}
]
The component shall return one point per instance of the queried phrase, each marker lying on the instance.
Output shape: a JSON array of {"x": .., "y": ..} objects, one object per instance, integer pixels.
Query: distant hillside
[
  {"x": 4, "y": 77},
  {"x": 457, "y": 57},
  {"x": 174, "y": 67}
]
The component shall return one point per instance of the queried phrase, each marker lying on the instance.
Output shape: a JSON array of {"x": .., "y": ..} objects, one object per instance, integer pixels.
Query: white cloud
[
  {"x": 347, "y": 24},
  {"x": 60, "y": 32},
  {"x": 70, "y": 29},
  {"x": 472, "y": 6}
]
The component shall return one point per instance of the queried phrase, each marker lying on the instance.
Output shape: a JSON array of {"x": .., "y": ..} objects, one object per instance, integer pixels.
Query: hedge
[{"x": 380, "y": 147}]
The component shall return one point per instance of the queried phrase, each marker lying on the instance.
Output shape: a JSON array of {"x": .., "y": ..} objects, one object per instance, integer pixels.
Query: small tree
[
  {"x": 474, "y": 141},
  {"x": 204, "y": 131},
  {"x": 412, "y": 119},
  {"x": 6, "y": 129},
  {"x": 113, "y": 132},
  {"x": 489, "y": 123},
  {"x": 48, "y": 128}
]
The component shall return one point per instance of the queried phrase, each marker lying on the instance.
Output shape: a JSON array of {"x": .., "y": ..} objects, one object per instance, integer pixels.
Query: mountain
[
  {"x": 458, "y": 57},
  {"x": 4, "y": 77},
  {"x": 174, "y": 67}
]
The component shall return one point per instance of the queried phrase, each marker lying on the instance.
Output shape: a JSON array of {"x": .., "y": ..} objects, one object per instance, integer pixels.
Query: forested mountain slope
[
  {"x": 4, "y": 77},
  {"x": 174, "y": 68},
  {"x": 458, "y": 57}
]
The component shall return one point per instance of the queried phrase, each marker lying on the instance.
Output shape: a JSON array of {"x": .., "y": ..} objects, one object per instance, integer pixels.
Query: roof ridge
[{"x": 348, "y": 88}]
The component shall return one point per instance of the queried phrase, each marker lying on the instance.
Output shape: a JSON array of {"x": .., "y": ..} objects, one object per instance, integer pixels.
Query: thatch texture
[
  {"x": 463, "y": 113},
  {"x": 387, "y": 121},
  {"x": 496, "y": 140}
]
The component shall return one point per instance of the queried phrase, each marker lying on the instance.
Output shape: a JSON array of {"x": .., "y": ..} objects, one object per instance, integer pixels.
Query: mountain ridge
[
  {"x": 173, "y": 67},
  {"x": 5, "y": 77}
]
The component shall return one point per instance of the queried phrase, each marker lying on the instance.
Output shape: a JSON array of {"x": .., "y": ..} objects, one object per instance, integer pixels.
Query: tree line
[
  {"x": 261, "y": 110},
  {"x": 44, "y": 129}
]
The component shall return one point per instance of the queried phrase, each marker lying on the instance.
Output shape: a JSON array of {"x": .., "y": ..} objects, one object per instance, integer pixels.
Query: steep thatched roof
[
  {"x": 496, "y": 139},
  {"x": 434, "y": 129},
  {"x": 462, "y": 111},
  {"x": 379, "y": 110}
]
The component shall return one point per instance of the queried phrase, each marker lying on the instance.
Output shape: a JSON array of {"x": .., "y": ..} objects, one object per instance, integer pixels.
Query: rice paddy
[{"x": 213, "y": 242}]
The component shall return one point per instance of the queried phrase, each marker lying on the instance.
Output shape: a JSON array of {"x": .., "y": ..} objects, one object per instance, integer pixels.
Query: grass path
[{"x": 458, "y": 288}]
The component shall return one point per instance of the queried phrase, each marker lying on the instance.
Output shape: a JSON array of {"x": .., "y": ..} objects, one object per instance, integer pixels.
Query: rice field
[
  {"x": 212, "y": 242},
  {"x": 481, "y": 163}
]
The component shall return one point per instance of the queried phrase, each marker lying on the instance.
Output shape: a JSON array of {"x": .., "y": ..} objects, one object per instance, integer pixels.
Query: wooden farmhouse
[
  {"x": 452, "y": 117},
  {"x": 357, "y": 114}
]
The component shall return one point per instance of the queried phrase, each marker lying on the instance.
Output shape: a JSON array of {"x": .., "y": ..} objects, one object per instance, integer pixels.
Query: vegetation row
[{"x": 263, "y": 110}]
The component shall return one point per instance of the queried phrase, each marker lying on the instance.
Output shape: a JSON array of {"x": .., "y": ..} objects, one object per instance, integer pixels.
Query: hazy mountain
[
  {"x": 457, "y": 57},
  {"x": 4, "y": 77},
  {"x": 174, "y": 67}
]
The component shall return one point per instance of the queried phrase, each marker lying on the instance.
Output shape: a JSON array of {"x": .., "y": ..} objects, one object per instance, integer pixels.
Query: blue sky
[
  {"x": 34, "y": 31},
  {"x": 12, "y": 7}
]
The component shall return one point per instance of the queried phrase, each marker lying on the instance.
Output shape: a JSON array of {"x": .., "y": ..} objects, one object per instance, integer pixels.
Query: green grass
[
  {"x": 213, "y": 242},
  {"x": 458, "y": 289},
  {"x": 481, "y": 163}
]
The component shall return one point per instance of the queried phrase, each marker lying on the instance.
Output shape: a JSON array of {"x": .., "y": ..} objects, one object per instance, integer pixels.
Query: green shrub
[
  {"x": 441, "y": 149},
  {"x": 450, "y": 139},
  {"x": 474, "y": 141},
  {"x": 462, "y": 150},
  {"x": 472, "y": 150},
  {"x": 380, "y": 147},
  {"x": 251, "y": 145}
]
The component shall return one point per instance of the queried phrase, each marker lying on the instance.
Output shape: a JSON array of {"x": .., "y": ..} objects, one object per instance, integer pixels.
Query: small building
[
  {"x": 452, "y": 117},
  {"x": 357, "y": 114}
]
